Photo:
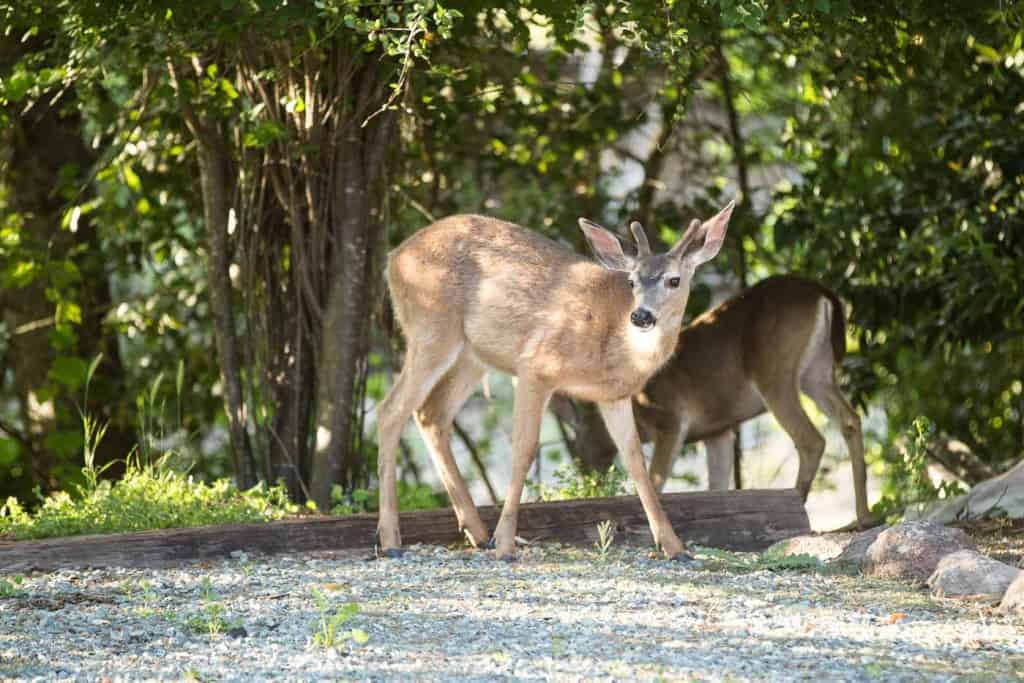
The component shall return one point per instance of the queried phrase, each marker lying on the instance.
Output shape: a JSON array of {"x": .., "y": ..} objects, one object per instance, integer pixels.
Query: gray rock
[
  {"x": 996, "y": 497},
  {"x": 912, "y": 550},
  {"x": 857, "y": 548},
  {"x": 969, "y": 574},
  {"x": 847, "y": 547},
  {"x": 1013, "y": 599}
]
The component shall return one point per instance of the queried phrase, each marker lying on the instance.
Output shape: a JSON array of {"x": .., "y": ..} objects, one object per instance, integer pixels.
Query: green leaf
[
  {"x": 20, "y": 273},
  {"x": 65, "y": 443},
  {"x": 228, "y": 89},
  {"x": 131, "y": 178},
  {"x": 360, "y": 636},
  {"x": 988, "y": 54},
  {"x": 70, "y": 371}
]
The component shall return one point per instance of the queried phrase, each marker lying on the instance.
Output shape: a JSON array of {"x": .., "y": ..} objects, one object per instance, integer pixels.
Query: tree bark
[
  {"x": 217, "y": 190},
  {"x": 357, "y": 220},
  {"x": 740, "y": 160}
]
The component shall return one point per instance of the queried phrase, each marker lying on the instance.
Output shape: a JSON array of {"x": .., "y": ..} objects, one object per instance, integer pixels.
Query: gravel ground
[{"x": 558, "y": 613}]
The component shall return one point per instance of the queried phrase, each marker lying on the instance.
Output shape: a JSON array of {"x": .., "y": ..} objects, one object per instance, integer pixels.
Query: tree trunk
[
  {"x": 357, "y": 221},
  {"x": 739, "y": 153},
  {"x": 216, "y": 187}
]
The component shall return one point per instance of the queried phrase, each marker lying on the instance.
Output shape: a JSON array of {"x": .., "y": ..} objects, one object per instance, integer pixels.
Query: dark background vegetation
[{"x": 204, "y": 194}]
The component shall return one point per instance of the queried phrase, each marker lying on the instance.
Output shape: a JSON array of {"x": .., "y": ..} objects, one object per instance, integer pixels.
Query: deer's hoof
[
  {"x": 684, "y": 557},
  {"x": 391, "y": 553},
  {"x": 489, "y": 545}
]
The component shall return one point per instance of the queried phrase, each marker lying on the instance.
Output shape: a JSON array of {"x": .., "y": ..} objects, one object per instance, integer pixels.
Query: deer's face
[
  {"x": 661, "y": 288},
  {"x": 660, "y": 282}
]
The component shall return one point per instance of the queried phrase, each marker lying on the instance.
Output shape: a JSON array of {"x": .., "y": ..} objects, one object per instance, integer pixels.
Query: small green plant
[
  {"x": 327, "y": 630},
  {"x": 148, "y": 597},
  {"x": 907, "y": 480},
  {"x": 572, "y": 484},
  {"x": 11, "y": 588},
  {"x": 605, "y": 538},
  {"x": 210, "y": 619}
]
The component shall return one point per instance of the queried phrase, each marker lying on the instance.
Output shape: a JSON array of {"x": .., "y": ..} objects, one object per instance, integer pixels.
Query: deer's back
[
  {"x": 504, "y": 286},
  {"x": 710, "y": 378}
]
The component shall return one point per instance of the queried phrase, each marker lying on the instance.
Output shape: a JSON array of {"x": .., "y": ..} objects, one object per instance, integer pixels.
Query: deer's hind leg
[
  {"x": 819, "y": 382},
  {"x": 426, "y": 362},
  {"x": 667, "y": 442},
  {"x": 435, "y": 419},
  {"x": 719, "y": 451},
  {"x": 781, "y": 394}
]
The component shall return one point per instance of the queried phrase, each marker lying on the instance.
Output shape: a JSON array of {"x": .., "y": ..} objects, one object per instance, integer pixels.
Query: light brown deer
[
  {"x": 472, "y": 293},
  {"x": 754, "y": 353}
]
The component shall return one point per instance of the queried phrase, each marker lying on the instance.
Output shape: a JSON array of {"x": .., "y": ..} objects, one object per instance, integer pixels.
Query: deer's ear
[
  {"x": 713, "y": 230},
  {"x": 606, "y": 246}
]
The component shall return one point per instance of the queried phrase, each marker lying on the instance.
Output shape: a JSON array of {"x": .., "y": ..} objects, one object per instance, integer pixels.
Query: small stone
[
  {"x": 912, "y": 550},
  {"x": 969, "y": 574},
  {"x": 237, "y": 632}
]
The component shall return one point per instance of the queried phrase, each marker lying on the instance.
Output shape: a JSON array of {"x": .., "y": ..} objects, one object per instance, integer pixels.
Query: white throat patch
[{"x": 645, "y": 342}]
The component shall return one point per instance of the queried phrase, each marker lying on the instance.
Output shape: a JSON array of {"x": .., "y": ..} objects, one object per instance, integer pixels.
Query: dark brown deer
[
  {"x": 754, "y": 353},
  {"x": 473, "y": 293}
]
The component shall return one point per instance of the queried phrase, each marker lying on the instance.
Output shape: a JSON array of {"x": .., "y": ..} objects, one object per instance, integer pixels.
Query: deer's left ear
[
  {"x": 714, "y": 235},
  {"x": 606, "y": 246}
]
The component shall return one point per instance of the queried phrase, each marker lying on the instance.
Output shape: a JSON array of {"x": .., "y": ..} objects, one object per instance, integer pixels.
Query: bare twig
[{"x": 477, "y": 460}]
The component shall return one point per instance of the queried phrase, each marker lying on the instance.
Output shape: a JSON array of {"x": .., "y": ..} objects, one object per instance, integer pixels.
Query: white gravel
[{"x": 557, "y": 614}]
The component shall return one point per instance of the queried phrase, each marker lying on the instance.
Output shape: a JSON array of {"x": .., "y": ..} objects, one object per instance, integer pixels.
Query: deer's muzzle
[{"x": 642, "y": 318}]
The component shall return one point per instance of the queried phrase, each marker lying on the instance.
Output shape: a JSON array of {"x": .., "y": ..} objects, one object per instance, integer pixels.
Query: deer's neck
[{"x": 647, "y": 350}]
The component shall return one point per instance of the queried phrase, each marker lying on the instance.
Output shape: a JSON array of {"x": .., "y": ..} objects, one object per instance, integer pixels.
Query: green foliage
[
  {"x": 572, "y": 484},
  {"x": 151, "y": 496},
  {"x": 894, "y": 131},
  {"x": 327, "y": 630},
  {"x": 11, "y": 588},
  {"x": 907, "y": 480},
  {"x": 410, "y": 497}
]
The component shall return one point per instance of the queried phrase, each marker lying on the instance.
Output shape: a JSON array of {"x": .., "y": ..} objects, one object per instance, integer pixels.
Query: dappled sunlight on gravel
[{"x": 437, "y": 614}]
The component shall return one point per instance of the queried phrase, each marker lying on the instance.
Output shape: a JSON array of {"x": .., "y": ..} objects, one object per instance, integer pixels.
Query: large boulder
[
  {"x": 912, "y": 550},
  {"x": 845, "y": 547},
  {"x": 1013, "y": 599},
  {"x": 969, "y": 574},
  {"x": 999, "y": 496}
]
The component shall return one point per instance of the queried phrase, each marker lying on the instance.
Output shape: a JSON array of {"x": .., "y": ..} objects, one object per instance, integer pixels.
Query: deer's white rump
[{"x": 472, "y": 292}]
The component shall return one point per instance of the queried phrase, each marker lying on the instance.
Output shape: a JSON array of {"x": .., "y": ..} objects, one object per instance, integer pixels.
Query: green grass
[{"x": 148, "y": 497}]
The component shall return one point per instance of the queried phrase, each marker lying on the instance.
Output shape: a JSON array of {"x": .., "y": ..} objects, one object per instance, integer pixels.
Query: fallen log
[{"x": 737, "y": 520}]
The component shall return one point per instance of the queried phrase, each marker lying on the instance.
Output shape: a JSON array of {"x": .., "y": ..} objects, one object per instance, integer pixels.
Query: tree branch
[{"x": 477, "y": 460}]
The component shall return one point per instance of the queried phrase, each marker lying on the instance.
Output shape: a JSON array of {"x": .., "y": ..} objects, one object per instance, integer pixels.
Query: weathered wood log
[{"x": 737, "y": 520}]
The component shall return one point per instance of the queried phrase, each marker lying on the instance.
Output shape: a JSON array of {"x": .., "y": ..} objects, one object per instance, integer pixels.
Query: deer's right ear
[{"x": 606, "y": 246}]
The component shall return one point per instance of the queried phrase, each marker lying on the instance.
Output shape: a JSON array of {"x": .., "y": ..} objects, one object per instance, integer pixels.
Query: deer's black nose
[{"x": 642, "y": 318}]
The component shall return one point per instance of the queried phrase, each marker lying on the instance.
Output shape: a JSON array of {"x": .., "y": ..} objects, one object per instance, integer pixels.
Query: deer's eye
[
  {"x": 672, "y": 282},
  {"x": 632, "y": 284}
]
